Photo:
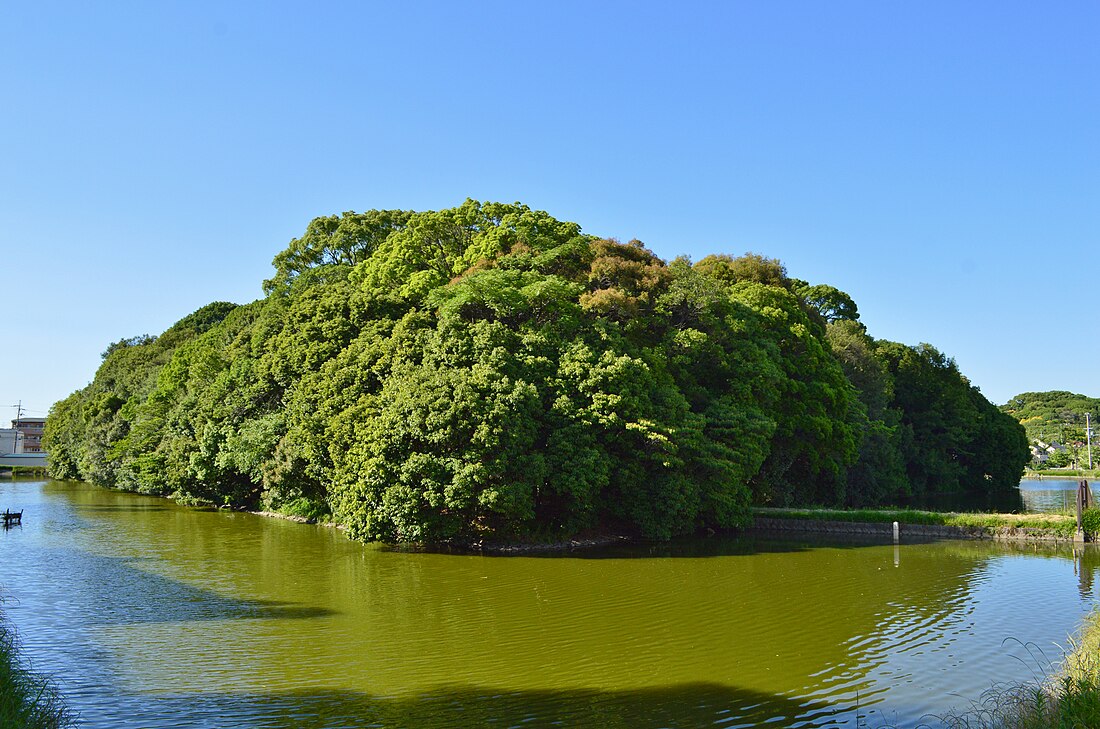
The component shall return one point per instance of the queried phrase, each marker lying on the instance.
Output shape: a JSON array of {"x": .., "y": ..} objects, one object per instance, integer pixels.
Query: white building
[{"x": 11, "y": 441}]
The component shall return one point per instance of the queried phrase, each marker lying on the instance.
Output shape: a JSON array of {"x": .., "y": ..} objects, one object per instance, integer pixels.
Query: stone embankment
[
  {"x": 911, "y": 531},
  {"x": 885, "y": 530}
]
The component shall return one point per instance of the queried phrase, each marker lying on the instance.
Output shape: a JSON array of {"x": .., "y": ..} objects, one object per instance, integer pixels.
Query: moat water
[{"x": 150, "y": 614}]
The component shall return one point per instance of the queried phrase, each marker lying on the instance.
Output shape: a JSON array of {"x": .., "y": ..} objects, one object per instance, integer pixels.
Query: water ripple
[{"x": 144, "y": 610}]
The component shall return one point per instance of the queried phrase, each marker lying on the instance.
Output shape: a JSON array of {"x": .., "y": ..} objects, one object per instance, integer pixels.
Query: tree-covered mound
[
  {"x": 489, "y": 371},
  {"x": 1056, "y": 416}
]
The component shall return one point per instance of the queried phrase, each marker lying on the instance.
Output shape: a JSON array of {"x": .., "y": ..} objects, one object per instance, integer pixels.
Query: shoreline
[
  {"x": 923, "y": 524},
  {"x": 920, "y": 532},
  {"x": 1067, "y": 474},
  {"x": 804, "y": 521},
  {"x": 476, "y": 547},
  {"x": 294, "y": 518}
]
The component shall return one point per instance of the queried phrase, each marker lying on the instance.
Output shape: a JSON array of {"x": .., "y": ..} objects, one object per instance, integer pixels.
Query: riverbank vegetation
[
  {"x": 27, "y": 700},
  {"x": 491, "y": 372},
  {"x": 1075, "y": 693},
  {"x": 1063, "y": 473}
]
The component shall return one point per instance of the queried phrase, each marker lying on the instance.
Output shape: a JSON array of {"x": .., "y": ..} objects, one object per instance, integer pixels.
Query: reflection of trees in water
[
  {"x": 687, "y": 705},
  {"x": 1086, "y": 559},
  {"x": 1060, "y": 496}
]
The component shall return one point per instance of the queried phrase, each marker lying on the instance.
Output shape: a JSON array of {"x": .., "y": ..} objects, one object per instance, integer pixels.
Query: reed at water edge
[
  {"x": 1067, "y": 699},
  {"x": 27, "y": 700}
]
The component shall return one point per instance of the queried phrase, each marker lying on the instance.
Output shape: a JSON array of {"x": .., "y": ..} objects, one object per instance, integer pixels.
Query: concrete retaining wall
[
  {"x": 917, "y": 532},
  {"x": 23, "y": 460}
]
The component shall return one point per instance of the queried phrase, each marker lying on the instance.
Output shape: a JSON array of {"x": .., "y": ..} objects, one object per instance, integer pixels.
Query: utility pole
[
  {"x": 1088, "y": 438},
  {"x": 16, "y": 423}
]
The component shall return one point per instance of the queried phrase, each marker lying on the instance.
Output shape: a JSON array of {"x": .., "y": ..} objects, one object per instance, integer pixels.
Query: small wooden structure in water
[
  {"x": 12, "y": 517},
  {"x": 1084, "y": 501}
]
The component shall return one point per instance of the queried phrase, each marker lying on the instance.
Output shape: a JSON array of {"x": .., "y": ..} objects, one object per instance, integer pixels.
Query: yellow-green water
[{"x": 152, "y": 614}]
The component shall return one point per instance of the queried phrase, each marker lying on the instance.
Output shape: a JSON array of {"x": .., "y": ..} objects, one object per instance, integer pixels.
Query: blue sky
[{"x": 940, "y": 162}]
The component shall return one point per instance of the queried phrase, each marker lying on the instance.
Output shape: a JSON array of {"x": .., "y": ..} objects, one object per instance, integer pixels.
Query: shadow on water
[
  {"x": 741, "y": 544},
  {"x": 126, "y": 595},
  {"x": 135, "y": 508},
  {"x": 759, "y": 542},
  {"x": 730, "y": 544},
  {"x": 747, "y": 542},
  {"x": 685, "y": 705}
]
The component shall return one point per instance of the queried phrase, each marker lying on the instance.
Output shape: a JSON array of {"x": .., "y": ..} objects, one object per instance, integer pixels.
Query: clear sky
[{"x": 939, "y": 161}]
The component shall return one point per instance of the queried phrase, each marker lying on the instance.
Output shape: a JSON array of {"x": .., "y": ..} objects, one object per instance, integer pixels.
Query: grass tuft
[{"x": 27, "y": 700}]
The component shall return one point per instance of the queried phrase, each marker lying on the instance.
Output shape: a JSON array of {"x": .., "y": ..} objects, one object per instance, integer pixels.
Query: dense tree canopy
[{"x": 489, "y": 371}]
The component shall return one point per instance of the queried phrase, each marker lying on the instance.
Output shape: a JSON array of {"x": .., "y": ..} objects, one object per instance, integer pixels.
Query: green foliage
[
  {"x": 749, "y": 267},
  {"x": 829, "y": 302},
  {"x": 1056, "y": 415},
  {"x": 334, "y": 241},
  {"x": 1090, "y": 522},
  {"x": 90, "y": 424},
  {"x": 490, "y": 372},
  {"x": 1060, "y": 459},
  {"x": 955, "y": 439},
  {"x": 878, "y": 476},
  {"x": 812, "y": 402},
  {"x": 304, "y": 508},
  {"x": 64, "y": 437}
]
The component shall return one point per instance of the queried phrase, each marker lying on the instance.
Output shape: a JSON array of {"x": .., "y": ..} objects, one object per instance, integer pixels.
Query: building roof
[{"x": 28, "y": 421}]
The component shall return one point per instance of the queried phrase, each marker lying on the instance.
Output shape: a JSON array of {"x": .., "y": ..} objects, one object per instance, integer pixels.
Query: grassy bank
[
  {"x": 1059, "y": 525},
  {"x": 1076, "y": 694},
  {"x": 1090, "y": 474},
  {"x": 27, "y": 700}
]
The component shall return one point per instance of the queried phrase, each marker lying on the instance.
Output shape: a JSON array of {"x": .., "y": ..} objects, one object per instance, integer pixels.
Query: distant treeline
[{"x": 489, "y": 371}]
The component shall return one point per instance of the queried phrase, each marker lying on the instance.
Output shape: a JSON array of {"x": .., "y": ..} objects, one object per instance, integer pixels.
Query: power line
[{"x": 22, "y": 412}]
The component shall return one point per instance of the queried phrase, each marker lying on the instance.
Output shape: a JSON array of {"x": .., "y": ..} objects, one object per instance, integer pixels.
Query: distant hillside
[{"x": 1053, "y": 416}]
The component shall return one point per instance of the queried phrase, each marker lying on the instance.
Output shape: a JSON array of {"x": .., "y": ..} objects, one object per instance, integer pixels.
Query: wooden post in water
[
  {"x": 1084, "y": 501},
  {"x": 896, "y": 534}
]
